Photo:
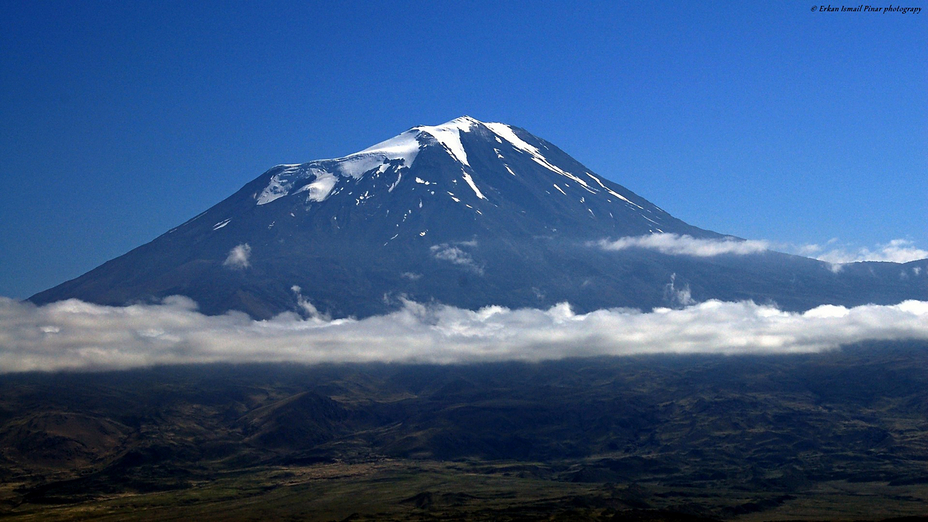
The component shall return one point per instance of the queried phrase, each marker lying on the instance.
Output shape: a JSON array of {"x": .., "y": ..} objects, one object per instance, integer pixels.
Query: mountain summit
[
  {"x": 465, "y": 213},
  {"x": 485, "y": 177}
]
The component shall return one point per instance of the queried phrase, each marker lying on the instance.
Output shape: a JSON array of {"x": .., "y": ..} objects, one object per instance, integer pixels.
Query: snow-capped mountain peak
[
  {"x": 449, "y": 135},
  {"x": 399, "y": 152},
  {"x": 511, "y": 165},
  {"x": 464, "y": 213}
]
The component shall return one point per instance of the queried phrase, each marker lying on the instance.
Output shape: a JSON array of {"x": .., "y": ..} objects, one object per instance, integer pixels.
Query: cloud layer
[
  {"x": 675, "y": 244},
  {"x": 76, "y": 335},
  {"x": 896, "y": 251}
]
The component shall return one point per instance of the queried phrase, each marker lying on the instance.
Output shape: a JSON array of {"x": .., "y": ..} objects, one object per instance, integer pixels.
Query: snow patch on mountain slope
[
  {"x": 399, "y": 177},
  {"x": 473, "y": 186},
  {"x": 280, "y": 184},
  {"x": 449, "y": 135},
  {"x": 402, "y": 147},
  {"x": 504, "y": 131},
  {"x": 614, "y": 193},
  {"x": 319, "y": 189}
]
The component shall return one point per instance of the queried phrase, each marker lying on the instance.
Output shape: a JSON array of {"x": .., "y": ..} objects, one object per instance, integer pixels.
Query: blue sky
[{"x": 120, "y": 120}]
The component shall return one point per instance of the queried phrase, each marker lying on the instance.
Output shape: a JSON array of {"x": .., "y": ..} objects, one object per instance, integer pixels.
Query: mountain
[{"x": 465, "y": 213}]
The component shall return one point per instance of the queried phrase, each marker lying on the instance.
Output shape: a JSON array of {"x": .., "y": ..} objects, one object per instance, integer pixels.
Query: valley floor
[
  {"x": 834, "y": 436},
  {"x": 430, "y": 490}
]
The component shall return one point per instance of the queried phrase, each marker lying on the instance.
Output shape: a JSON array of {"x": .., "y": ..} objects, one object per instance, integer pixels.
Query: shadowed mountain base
[{"x": 840, "y": 435}]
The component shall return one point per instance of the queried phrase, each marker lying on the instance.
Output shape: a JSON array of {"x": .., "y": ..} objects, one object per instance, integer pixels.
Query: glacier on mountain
[{"x": 401, "y": 151}]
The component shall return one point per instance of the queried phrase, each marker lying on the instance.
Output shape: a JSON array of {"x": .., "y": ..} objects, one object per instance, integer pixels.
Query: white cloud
[
  {"x": 456, "y": 256},
  {"x": 676, "y": 244},
  {"x": 679, "y": 297},
  {"x": 238, "y": 257},
  {"x": 308, "y": 309},
  {"x": 832, "y": 252},
  {"x": 77, "y": 335},
  {"x": 896, "y": 251}
]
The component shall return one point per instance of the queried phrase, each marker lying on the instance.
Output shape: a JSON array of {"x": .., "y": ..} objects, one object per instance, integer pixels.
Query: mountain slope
[{"x": 465, "y": 213}]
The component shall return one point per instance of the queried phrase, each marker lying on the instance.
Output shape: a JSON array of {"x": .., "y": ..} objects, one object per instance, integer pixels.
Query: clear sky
[{"x": 765, "y": 120}]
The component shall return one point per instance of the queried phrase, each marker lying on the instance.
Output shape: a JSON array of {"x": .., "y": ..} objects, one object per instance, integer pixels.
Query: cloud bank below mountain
[
  {"x": 675, "y": 244},
  {"x": 74, "y": 335},
  {"x": 895, "y": 251}
]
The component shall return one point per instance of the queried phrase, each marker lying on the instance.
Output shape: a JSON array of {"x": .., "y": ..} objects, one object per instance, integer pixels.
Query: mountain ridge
[{"x": 465, "y": 213}]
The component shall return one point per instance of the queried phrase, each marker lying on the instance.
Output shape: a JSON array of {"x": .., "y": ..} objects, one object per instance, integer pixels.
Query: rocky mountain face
[{"x": 468, "y": 214}]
